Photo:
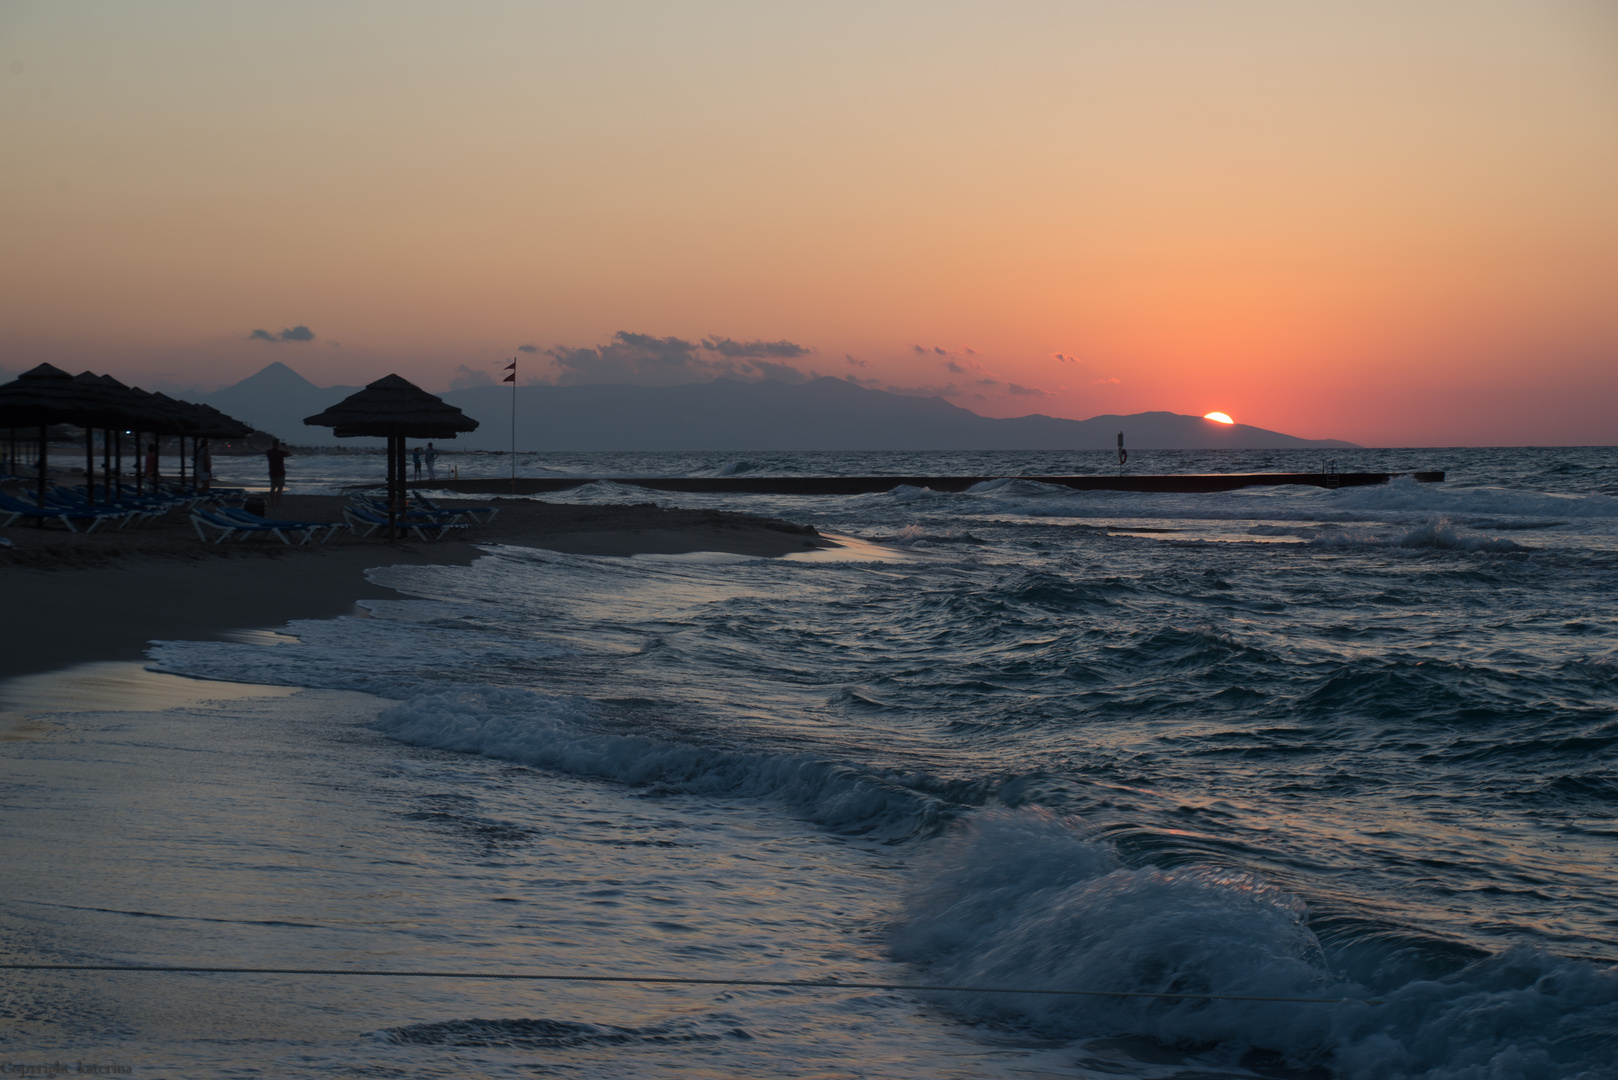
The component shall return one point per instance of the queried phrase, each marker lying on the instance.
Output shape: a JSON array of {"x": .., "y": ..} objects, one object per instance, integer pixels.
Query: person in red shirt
[{"x": 278, "y": 455}]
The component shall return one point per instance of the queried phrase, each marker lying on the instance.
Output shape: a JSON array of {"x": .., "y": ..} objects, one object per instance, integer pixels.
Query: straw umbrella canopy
[
  {"x": 47, "y": 395},
  {"x": 395, "y": 409},
  {"x": 218, "y": 425},
  {"x": 134, "y": 410}
]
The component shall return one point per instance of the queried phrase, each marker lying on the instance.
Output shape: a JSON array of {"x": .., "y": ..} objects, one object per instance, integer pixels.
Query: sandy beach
[{"x": 77, "y": 597}]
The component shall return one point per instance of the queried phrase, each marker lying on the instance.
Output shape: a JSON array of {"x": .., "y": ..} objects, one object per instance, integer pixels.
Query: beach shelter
[
  {"x": 47, "y": 395},
  {"x": 395, "y": 409}
]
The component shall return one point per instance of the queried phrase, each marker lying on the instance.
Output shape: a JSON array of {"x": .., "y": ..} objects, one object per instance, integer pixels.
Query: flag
[
  {"x": 513, "y": 365},
  {"x": 512, "y": 379}
]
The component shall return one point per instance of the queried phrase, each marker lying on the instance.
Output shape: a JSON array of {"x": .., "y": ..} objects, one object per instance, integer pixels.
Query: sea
[{"x": 1282, "y": 782}]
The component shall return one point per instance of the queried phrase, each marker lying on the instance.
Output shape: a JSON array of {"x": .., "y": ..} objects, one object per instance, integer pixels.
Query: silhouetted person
[
  {"x": 151, "y": 465},
  {"x": 416, "y": 454},
  {"x": 432, "y": 462},
  {"x": 202, "y": 465},
  {"x": 277, "y": 455}
]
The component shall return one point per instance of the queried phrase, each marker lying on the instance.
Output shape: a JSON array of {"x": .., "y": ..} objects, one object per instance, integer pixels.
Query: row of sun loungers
[
  {"x": 68, "y": 512},
  {"x": 215, "y": 521},
  {"x": 424, "y": 519},
  {"x": 227, "y": 522},
  {"x": 74, "y": 508}
]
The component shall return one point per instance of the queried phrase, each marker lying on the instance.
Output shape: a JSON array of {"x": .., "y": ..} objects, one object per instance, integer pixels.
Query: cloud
[
  {"x": 1026, "y": 391},
  {"x": 648, "y": 360},
  {"x": 748, "y": 350},
  {"x": 1064, "y": 358},
  {"x": 956, "y": 368},
  {"x": 528, "y": 348},
  {"x": 945, "y": 391},
  {"x": 852, "y": 362},
  {"x": 466, "y": 378},
  {"x": 296, "y": 333}
]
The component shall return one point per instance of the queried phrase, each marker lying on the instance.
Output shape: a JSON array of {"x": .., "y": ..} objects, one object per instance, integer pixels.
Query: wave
[
  {"x": 569, "y": 735},
  {"x": 1025, "y": 898},
  {"x": 1439, "y": 535}
]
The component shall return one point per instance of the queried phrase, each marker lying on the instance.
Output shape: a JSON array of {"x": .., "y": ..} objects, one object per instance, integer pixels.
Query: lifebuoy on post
[{"x": 1123, "y": 455}]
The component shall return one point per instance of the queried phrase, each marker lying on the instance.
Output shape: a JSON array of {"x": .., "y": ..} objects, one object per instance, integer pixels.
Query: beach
[
  {"x": 1318, "y": 782},
  {"x": 104, "y": 595}
]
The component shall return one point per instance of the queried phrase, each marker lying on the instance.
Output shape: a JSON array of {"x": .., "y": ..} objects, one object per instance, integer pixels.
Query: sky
[{"x": 1387, "y": 222}]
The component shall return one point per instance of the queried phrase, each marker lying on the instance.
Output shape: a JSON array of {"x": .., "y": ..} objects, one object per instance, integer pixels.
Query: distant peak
[{"x": 277, "y": 373}]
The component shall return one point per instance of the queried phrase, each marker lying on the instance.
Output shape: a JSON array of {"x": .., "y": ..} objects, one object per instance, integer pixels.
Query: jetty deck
[{"x": 865, "y": 485}]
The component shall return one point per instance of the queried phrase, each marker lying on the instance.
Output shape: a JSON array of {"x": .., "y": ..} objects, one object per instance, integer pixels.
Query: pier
[{"x": 866, "y": 485}]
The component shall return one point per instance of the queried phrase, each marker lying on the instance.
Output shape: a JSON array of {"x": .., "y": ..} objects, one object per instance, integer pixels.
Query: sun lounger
[
  {"x": 362, "y": 518},
  {"x": 74, "y": 498},
  {"x": 202, "y": 520},
  {"x": 321, "y": 530},
  {"x": 472, "y": 512},
  {"x": 12, "y": 509}
]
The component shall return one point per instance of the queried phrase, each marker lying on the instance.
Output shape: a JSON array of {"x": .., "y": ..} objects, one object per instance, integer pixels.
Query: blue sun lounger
[
  {"x": 202, "y": 520},
  {"x": 362, "y": 517},
  {"x": 464, "y": 511},
  {"x": 12, "y": 509},
  {"x": 312, "y": 530}
]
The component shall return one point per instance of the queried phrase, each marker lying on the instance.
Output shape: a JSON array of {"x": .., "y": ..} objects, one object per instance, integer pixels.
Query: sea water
[{"x": 1351, "y": 745}]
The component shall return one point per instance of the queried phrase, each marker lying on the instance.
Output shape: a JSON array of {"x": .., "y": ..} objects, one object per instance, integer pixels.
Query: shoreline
[{"x": 81, "y": 598}]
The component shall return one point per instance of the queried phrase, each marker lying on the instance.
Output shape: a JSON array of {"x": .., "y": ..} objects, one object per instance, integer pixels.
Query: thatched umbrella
[
  {"x": 180, "y": 419},
  {"x": 47, "y": 395},
  {"x": 218, "y": 425},
  {"x": 130, "y": 410},
  {"x": 395, "y": 409}
]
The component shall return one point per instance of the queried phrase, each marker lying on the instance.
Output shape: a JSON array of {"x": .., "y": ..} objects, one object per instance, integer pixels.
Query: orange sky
[{"x": 1392, "y": 223}]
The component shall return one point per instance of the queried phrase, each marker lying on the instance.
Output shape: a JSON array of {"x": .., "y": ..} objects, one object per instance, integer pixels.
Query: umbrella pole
[
  {"x": 399, "y": 478},
  {"x": 182, "y": 464},
  {"x": 118, "y": 462},
  {"x": 399, "y": 471},
  {"x": 106, "y": 463},
  {"x": 44, "y": 455},
  {"x": 393, "y": 505},
  {"x": 90, "y": 465}
]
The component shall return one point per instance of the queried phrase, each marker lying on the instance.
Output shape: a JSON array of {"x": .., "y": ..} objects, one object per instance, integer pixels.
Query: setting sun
[{"x": 1218, "y": 416}]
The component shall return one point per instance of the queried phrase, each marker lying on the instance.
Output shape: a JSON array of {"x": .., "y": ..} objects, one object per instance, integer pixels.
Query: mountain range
[{"x": 727, "y": 414}]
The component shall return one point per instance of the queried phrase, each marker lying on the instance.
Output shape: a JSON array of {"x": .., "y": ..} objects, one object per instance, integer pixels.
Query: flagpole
[{"x": 512, "y": 379}]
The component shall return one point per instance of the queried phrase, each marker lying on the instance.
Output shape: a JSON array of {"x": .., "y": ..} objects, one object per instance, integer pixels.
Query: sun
[{"x": 1218, "y": 417}]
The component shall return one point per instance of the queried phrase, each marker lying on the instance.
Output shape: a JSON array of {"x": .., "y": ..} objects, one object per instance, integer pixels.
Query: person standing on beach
[
  {"x": 277, "y": 455},
  {"x": 432, "y": 462},
  {"x": 151, "y": 465},
  {"x": 202, "y": 462},
  {"x": 416, "y": 453}
]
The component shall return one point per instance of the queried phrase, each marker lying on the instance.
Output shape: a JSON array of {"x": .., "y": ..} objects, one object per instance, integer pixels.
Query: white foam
[{"x": 1027, "y": 898}]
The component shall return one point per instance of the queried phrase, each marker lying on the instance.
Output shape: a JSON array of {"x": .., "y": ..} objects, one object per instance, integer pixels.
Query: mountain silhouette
[
  {"x": 821, "y": 414},
  {"x": 276, "y": 399},
  {"x": 727, "y": 414}
]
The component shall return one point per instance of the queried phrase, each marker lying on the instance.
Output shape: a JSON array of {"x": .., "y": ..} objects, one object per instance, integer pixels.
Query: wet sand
[{"x": 72, "y": 598}]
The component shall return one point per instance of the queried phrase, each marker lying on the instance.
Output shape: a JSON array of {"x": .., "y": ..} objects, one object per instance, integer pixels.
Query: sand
[{"x": 76, "y": 598}]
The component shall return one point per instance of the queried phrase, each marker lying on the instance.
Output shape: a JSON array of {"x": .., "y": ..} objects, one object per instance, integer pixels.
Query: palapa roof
[
  {"x": 218, "y": 425},
  {"x": 393, "y": 406},
  {"x": 49, "y": 395},
  {"x": 136, "y": 408}
]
